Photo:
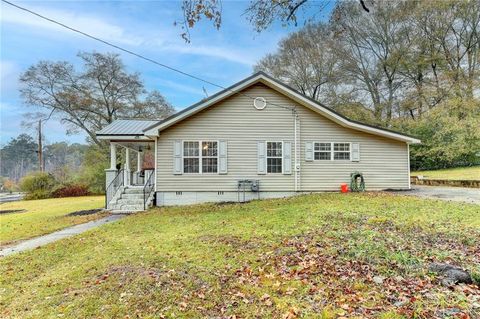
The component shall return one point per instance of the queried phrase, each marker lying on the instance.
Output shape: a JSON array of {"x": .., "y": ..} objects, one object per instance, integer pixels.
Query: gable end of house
[{"x": 284, "y": 89}]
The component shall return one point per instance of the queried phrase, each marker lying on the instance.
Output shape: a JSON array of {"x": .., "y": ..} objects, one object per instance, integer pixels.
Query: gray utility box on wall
[{"x": 245, "y": 185}]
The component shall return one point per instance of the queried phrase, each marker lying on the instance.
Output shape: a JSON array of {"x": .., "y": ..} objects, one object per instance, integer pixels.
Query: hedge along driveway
[{"x": 44, "y": 216}]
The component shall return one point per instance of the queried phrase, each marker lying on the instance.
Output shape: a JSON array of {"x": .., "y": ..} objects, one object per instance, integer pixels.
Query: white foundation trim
[{"x": 189, "y": 198}]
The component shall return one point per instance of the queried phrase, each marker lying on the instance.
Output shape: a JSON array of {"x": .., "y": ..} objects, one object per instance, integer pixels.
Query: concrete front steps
[{"x": 129, "y": 200}]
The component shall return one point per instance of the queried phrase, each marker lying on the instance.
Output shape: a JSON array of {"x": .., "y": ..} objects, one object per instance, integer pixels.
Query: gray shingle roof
[{"x": 126, "y": 127}]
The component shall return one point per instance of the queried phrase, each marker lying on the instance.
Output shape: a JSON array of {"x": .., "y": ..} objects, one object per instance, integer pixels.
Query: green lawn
[
  {"x": 313, "y": 256},
  {"x": 44, "y": 216},
  {"x": 460, "y": 173}
]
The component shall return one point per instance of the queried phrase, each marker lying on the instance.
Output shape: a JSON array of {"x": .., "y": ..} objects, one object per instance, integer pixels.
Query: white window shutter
[
  {"x": 222, "y": 157},
  {"x": 177, "y": 157},
  {"x": 287, "y": 158},
  {"x": 308, "y": 151},
  {"x": 261, "y": 157},
  {"x": 355, "y": 152}
]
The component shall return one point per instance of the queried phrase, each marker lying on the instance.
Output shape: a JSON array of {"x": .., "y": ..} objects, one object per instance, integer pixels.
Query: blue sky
[{"x": 224, "y": 56}]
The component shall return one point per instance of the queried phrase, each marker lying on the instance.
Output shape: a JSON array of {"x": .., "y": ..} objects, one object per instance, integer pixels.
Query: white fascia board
[
  {"x": 152, "y": 137},
  {"x": 337, "y": 118},
  {"x": 132, "y": 138},
  {"x": 291, "y": 93}
]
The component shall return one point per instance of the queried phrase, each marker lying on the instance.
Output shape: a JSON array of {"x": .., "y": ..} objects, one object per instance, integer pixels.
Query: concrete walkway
[
  {"x": 458, "y": 194},
  {"x": 64, "y": 233}
]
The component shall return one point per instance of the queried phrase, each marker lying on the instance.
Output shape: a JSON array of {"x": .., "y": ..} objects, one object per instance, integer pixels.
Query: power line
[
  {"x": 134, "y": 53},
  {"x": 111, "y": 44}
]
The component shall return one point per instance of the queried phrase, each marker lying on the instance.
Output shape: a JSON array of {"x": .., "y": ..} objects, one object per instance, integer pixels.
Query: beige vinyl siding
[
  {"x": 383, "y": 161},
  {"x": 242, "y": 126}
]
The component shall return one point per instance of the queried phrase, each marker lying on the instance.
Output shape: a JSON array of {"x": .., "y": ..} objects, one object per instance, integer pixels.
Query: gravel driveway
[{"x": 459, "y": 194}]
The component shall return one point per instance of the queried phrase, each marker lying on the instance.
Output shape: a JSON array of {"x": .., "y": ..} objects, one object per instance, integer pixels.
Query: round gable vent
[{"x": 259, "y": 103}]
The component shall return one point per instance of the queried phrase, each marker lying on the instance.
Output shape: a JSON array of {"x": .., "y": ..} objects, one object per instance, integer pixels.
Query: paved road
[
  {"x": 458, "y": 194},
  {"x": 64, "y": 233},
  {"x": 5, "y": 198}
]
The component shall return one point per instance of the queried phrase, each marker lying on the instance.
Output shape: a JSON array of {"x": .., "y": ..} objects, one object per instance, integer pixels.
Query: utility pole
[
  {"x": 40, "y": 148},
  {"x": 41, "y": 163}
]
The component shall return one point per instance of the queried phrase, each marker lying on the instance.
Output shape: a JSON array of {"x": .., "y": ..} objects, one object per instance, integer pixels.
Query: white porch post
[
  {"x": 113, "y": 156},
  {"x": 139, "y": 161},
  {"x": 127, "y": 166},
  {"x": 139, "y": 166},
  {"x": 111, "y": 172}
]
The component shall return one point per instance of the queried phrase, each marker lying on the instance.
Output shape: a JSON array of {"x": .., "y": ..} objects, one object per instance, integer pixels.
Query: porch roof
[{"x": 125, "y": 128}]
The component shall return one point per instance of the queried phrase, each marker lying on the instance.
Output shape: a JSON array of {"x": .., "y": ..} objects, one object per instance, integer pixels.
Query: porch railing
[
  {"x": 114, "y": 186},
  {"x": 149, "y": 187},
  {"x": 137, "y": 178}
]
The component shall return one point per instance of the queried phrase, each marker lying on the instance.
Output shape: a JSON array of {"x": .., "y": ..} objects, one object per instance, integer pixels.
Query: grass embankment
[
  {"x": 460, "y": 173},
  {"x": 44, "y": 216},
  {"x": 322, "y": 255}
]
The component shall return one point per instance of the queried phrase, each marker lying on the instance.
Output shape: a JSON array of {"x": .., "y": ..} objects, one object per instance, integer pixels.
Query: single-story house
[{"x": 258, "y": 138}]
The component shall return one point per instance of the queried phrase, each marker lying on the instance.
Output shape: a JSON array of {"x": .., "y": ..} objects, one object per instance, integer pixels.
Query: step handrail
[
  {"x": 148, "y": 188},
  {"x": 114, "y": 186}
]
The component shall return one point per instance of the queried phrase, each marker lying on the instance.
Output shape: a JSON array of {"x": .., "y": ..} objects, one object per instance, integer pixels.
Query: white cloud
[
  {"x": 161, "y": 38},
  {"x": 224, "y": 53},
  {"x": 180, "y": 87},
  {"x": 95, "y": 26},
  {"x": 99, "y": 27}
]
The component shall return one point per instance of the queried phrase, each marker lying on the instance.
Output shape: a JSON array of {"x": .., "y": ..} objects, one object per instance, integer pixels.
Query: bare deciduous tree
[
  {"x": 398, "y": 60},
  {"x": 260, "y": 13},
  {"x": 92, "y": 98},
  {"x": 302, "y": 61}
]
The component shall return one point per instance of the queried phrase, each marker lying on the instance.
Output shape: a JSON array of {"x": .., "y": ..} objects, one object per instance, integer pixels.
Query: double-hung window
[
  {"x": 274, "y": 157},
  {"x": 322, "y": 151},
  {"x": 191, "y": 157},
  {"x": 209, "y": 157},
  {"x": 200, "y": 157},
  {"x": 341, "y": 151}
]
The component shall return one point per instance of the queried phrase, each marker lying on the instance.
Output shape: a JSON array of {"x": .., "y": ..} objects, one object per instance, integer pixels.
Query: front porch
[{"x": 130, "y": 179}]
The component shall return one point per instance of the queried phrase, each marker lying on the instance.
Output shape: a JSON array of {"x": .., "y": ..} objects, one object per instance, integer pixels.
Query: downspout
[
  {"x": 297, "y": 154},
  {"x": 155, "y": 166},
  {"x": 296, "y": 135},
  {"x": 408, "y": 163},
  {"x": 294, "y": 113}
]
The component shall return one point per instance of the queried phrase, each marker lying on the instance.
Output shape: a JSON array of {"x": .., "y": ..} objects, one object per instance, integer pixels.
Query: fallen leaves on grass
[
  {"x": 340, "y": 264},
  {"x": 323, "y": 272}
]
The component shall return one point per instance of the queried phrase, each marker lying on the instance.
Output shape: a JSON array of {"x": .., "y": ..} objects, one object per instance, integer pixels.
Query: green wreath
[{"x": 355, "y": 185}]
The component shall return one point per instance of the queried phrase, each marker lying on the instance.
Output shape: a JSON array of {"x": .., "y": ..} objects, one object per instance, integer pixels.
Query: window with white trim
[
  {"x": 200, "y": 157},
  {"x": 274, "y": 157},
  {"x": 322, "y": 151},
  {"x": 191, "y": 157},
  {"x": 341, "y": 151},
  {"x": 209, "y": 157}
]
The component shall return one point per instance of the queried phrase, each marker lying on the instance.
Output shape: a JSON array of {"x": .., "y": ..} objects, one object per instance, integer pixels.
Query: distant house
[{"x": 256, "y": 139}]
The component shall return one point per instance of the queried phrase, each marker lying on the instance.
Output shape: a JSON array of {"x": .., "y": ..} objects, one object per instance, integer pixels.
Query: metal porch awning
[{"x": 125, "y": 130}]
